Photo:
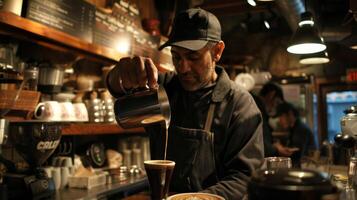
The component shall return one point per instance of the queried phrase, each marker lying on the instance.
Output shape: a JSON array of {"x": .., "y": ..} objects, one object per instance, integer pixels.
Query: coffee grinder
[
  {"x": 347, "y": 140},
  {"x": 35, "y": 142}
]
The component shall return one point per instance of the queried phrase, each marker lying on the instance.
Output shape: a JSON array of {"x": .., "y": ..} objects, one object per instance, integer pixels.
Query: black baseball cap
[{"x": 193, "y": 28}]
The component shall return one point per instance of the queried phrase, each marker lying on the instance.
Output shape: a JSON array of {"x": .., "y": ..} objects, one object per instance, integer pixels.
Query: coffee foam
[
  {"x": 195, "y": 196},
  {"x": 159, "y": 163}
]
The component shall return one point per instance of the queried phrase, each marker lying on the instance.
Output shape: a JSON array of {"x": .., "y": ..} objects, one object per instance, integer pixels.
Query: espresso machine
[{"x": 35, "y": 142}]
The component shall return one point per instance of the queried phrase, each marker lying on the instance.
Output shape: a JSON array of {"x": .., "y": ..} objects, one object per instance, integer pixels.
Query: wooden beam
[
  {"x": 237, "y": 10},
  {"x": 223, "y": 4}
]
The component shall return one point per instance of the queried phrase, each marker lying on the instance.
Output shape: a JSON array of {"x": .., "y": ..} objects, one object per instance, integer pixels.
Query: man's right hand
[
  {"x": 283, "y": 150},
  {"x": 130, "y": 73}
]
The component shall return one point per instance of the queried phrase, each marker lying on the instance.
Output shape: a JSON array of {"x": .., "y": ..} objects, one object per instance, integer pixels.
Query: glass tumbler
[{"x": 278, "y": 162}]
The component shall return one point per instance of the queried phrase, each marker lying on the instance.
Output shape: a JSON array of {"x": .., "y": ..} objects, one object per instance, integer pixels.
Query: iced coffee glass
[{"x": 159, "y": 174}]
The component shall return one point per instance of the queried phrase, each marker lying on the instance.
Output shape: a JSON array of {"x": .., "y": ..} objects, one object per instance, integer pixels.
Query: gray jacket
[{"x": 237, "y": 142}]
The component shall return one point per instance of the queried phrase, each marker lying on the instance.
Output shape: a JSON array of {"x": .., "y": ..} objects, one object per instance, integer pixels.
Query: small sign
[{"x": 351, "y": 75}]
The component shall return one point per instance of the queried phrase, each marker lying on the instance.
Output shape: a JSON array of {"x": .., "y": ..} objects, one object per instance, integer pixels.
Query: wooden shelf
[
  {"x": 25, "y": 29},
  {"x": 97, "y": 128},
  {"x": 28, "y": 30}
]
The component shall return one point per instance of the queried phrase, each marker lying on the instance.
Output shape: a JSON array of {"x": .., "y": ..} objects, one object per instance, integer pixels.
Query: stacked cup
[{"x": 62, "y": 167}]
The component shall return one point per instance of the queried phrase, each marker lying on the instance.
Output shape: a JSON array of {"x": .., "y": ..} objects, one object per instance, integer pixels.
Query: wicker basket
[{"x": 23, "y": 107}]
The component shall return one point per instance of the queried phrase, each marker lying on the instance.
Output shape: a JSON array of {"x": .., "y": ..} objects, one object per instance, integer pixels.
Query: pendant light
[
  {"x": 351, "y": 40},
  {"x": 306, "y": 39},
  {"x": 315, "y": 58},
  {"x": 252, "y": 3}
]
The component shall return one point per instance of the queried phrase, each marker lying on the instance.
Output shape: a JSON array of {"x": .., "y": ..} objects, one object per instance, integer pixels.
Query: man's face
[
  {"x": 195, "y": 69},
  {"x": 284, "y": 121}
]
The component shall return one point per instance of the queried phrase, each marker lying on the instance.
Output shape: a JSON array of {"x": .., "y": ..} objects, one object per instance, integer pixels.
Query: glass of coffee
[
  {"x": 278, "y": 162},
  {"x": 159, "y": 174}
]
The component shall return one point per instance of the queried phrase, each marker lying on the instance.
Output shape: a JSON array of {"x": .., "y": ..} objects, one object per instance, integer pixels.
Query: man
[
  {"x": 269, "y": 97},
  {"x": 300, "y": 137},
  {"x": 215, "y": 135}
]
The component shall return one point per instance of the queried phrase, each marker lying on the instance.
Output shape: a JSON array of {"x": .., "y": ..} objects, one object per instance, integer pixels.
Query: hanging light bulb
[
  {"x": 351, "y": 40},
  {"x": 306, "y": 39},
  {"x": 316, "y": 58},
  {"x": 252, "y": 2},
  {"x": 266, "y": 24}
]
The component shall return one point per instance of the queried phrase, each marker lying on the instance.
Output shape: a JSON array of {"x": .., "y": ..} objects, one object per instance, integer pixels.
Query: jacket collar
[{"x": 223, "y": 85}]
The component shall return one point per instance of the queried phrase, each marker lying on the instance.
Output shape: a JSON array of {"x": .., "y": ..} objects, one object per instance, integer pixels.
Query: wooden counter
[{"x": 140, "y": 196}]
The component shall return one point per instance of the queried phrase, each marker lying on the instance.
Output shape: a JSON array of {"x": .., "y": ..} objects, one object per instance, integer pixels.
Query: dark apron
[{"x": 193, "y": 152}]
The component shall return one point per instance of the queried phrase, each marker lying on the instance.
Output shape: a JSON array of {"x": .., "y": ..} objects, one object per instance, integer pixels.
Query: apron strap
[{"x": 209, "y": 118}]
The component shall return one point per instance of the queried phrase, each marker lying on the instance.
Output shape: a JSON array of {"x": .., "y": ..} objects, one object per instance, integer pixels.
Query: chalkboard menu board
[
  {"x": 111, "y": 32},
  {"x": 75, "y": 17}
]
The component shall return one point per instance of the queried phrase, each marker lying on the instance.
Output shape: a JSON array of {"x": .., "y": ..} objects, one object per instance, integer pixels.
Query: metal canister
[
  {"x": 142, "y": 108},
  {"x": 95, "y": 110}
]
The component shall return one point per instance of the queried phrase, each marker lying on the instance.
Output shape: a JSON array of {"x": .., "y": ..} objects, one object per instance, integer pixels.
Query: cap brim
[{"x": 192, "y": 45}]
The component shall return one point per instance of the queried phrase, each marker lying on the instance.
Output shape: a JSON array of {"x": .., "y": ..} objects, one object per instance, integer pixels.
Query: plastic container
[{"x": 87, "y": 182}]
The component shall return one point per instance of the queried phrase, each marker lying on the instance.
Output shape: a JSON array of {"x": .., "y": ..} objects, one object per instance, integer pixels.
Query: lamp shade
[
  {"x": 306, "y": 39},
  {"x": 315, "y": 58},
  {"x": 351, "y": 40}
]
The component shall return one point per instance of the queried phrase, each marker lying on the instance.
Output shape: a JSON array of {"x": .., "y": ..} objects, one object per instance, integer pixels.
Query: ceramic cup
[
  {"x": 65, "y": 148},
  {"x": 80, "y": 112},
  {"x": 67, "y": 113},
  {"x": 65, "y": 173},
  {"x": 56, "y": 175},
  {"x": 57, "y": 161},
  {"x": 48, "y": 111},
  {"x": 67, "y": 162},
  {"x": 48, "y": 171}
]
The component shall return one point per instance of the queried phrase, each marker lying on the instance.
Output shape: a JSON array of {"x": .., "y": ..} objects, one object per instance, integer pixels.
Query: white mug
[
  {"x": 56, "y": 175},
  {"x": 48, "y": 171},
  {"x": 80, "y": 112},
  {"x": 64, "y": 176},
  {"x": 48, "y": 110},
  {"x": 67, "y": 162},
  {"x": 58, "y": 161},
  {"x": 67, "y": 111}
]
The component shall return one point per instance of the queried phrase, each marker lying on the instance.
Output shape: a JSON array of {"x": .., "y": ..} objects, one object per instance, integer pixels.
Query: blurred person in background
[
  {"x": 267, "y": 100},
  {"x": 300, "y": 137}
]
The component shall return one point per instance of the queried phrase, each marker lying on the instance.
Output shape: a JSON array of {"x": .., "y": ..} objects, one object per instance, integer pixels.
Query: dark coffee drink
[{"x": 159, "y": 173}]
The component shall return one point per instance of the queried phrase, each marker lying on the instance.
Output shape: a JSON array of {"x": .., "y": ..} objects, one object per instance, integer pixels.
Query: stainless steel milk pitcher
[{"x": 142, "y": 108}]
